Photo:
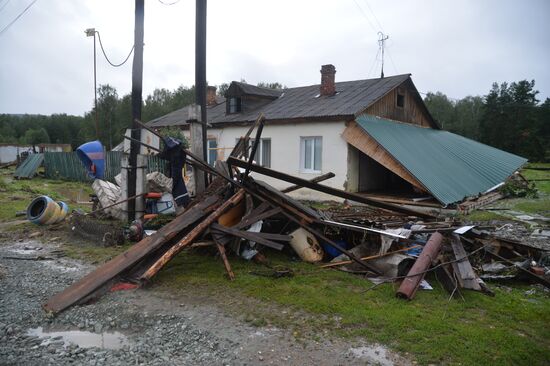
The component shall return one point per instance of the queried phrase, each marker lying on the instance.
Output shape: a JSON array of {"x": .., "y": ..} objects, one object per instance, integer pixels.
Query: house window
[
  {"x": 234, "y": 105},
  {"x": 212, "y": 147},
  {"x": 400, "y": 100},
  {"x": 311, "y": 151},
  {"x": 263, "y": 152}
]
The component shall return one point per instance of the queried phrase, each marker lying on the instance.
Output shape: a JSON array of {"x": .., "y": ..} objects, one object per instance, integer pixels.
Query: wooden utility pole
[
  {"x": 200, "y": 69},
  {"x": 137, "y": 76}
]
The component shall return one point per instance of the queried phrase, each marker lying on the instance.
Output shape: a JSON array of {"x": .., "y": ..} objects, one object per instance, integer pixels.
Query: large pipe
[
  {"x": 45, "y": 211},
  {"x": 410, "y": 284}
]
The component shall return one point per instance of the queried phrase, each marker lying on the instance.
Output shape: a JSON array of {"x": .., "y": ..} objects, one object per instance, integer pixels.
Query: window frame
[
  {"x": 303, "y": 168},
  {"x": 260, "y": 150},
  {"x": 208, "y": 150},
  {"x": 237, "y": 104},
  {"x": 398, "y": 97}
]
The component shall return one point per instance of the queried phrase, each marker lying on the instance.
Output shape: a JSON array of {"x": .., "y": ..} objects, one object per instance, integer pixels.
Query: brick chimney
[
  {"x": 211, "y": 96},
  {"x": 327, "y": 80}
]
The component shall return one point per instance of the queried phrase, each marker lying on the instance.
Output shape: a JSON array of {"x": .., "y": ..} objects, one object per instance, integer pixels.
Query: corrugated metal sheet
[
  {"x": 450, "y": 166},
  {"x": 28, "y": 168},
  {"x": 68, "y": 166},
  {"x": 64, "y": 165}
]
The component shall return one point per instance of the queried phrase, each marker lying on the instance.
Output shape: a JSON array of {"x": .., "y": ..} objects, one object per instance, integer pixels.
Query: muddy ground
[{"x": 143, "y": 326}]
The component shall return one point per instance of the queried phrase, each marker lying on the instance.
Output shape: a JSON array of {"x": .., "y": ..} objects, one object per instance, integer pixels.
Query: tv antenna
[{"x": 382, "y": 38}]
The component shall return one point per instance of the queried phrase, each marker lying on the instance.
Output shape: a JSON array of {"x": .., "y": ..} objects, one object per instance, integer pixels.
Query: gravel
[{"x": 155, "y": 327}]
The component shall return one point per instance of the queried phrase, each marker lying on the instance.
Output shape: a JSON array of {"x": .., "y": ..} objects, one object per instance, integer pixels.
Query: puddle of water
[
  {"x": 374, "y": 354},
  {"x": 109, "y": 340}
]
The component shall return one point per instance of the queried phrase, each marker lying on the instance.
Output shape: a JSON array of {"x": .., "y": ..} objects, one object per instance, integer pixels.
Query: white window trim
[
  {"x": 209, "y": 149},
  {"x": 260, "y": 150},
  {"x": 302, "y": 155}
]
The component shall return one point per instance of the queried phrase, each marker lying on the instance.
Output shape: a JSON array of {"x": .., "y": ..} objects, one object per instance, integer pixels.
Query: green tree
[
  {"x": 36, "y": 136},
  {"x": 442, "y": 110}
]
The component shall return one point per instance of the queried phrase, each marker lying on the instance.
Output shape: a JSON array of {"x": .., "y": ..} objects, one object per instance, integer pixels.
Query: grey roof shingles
[{"x": 351, "y": 99}]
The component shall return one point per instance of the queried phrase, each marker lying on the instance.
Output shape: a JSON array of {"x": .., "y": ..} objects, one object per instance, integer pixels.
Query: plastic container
[
  {"x": 333, "y": 252},
  {"x": 45, "y": 211},
  {"x": 306, "y": 246},
  {"x": 92, "y": 156}
]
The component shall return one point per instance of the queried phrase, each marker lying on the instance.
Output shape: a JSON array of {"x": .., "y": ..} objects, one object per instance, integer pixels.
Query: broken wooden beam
[
  {"x": 261, "y": 238},
  {"x": 192, "y": 235},
  {"x": 221, "y": 250},
  {"x": 318, "y": 179},
  {"x": 463, "y": 266},
  {"x": 325, "y": 189},
  {"x": 95, "y": 280}
]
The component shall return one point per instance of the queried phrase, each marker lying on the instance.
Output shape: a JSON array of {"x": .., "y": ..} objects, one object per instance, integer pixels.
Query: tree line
[{"x": 509, "y": 117}]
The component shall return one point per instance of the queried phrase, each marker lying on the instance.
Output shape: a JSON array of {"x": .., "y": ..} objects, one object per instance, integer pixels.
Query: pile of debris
[{"x": 386, "y": 242}]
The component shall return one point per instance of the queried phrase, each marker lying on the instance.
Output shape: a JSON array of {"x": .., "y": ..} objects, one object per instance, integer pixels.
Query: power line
[
  {"x": 365, "y": 15},
  {"x": 17, "y": 17},
  {"x": 3, "y": 6},
  {"x": 374, "y": 15},
  {"x": 107, "y": 58},
  {"x": 165, "y": 3}
]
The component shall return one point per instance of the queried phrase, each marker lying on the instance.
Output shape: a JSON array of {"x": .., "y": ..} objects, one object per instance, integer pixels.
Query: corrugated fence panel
[
  {"x": 62, "y": 165},
  {"x": 112, "y": 165}
]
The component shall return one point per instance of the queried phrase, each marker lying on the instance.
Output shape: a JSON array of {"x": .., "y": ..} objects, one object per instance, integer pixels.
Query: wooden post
[
  {"x": 192, "y": 235},
  {"x": 137, "y": 76},
  {"x": 197, "y": 146}
]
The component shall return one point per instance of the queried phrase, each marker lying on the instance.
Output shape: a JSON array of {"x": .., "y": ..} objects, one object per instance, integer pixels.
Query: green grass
[
  {"x": 511, "y": 328},
  {"x": 480, "y": 216},
  {"x": 16, "y": 195},
  {"x": 542, "y": 186},
  {"x": 93, "y": 253}
]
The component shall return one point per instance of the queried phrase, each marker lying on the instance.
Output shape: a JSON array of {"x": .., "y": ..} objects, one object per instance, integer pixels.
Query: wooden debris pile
[{"x": 245, "y": 216}]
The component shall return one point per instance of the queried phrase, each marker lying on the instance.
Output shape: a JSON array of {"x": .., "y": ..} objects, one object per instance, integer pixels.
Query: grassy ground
[
  {"x": 511, "y": 328},
  {"x": 16, "y": 195}
]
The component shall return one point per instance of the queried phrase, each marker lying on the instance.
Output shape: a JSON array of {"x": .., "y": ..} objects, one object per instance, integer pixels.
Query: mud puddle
[{"x": 84, "y": 339}]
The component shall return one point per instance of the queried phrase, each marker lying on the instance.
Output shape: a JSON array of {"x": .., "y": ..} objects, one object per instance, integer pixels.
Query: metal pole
[
  {"x": 137, "y": 76},
  {"x": 200, "y": 69},
  {"x": 95, "y": 93}
]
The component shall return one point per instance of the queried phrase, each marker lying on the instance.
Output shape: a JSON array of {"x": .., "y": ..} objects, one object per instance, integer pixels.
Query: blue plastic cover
[{"x": 92, "y": 156}]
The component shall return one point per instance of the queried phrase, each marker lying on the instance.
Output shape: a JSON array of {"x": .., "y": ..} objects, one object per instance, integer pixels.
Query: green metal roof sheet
[
  {"x": 28, "y": 168},
  {"x": 449, "y": 166}
]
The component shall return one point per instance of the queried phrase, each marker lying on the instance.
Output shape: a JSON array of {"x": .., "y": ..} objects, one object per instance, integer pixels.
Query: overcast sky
[{"x": 457, "y": 47}]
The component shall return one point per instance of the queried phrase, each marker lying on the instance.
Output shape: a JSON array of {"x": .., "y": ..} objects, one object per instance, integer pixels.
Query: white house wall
[{"x": 285, "y": 152}]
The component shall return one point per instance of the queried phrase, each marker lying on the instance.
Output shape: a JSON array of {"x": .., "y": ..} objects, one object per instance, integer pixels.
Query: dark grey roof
[
  {"x": 351, "y": 99},
  {"x": 254, "y": 90},
  {"x": 179, "y": 116}
]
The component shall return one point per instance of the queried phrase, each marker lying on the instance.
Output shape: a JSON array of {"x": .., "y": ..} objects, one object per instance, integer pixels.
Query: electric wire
[
  {"x": 391, "y": 60},
  {"x": 107, "y": 58},
  {"x": 374, "y": 16},
  {"x": 365, "y": 15},
  {"x": 4, "y": 5},
  {"x": 17, "y": 17},
  {"x": 168, "y": 4}
]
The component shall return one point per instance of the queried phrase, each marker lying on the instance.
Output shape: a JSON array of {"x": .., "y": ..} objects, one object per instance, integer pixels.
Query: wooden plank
[
  {"x": 192, "y": 235},
  {"x": 327, "y": 190},
  {"x": 465, "y": 270},
  {"x": 247, "y": 235},
  {"x": 314, "y": 180},
  {"x": 221, "y": 250},
  {"x": 95, "y": 280}
]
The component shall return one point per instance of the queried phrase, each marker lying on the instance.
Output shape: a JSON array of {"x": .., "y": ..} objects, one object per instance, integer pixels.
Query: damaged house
[{"x": 376, "y": 135}]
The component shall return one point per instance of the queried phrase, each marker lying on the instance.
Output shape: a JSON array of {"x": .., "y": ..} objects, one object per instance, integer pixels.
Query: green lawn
[
  {"x": 511, "y": 328},
  {"x": 16, "y": 195}
]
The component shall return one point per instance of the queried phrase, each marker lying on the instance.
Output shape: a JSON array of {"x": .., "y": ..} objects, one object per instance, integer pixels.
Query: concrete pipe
[{"x": 45, "y": 211}]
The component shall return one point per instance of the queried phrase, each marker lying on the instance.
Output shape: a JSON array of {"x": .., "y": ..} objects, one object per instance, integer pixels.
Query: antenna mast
[{"x": 381, "y": 39}]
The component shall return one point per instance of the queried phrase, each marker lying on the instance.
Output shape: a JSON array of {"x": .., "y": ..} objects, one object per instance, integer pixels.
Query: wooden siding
[
  {"x": 358, "y": 138},
  {"x": 413, "y": 111}
]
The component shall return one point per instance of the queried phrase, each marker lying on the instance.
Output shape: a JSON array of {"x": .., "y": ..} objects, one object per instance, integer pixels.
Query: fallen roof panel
[{"x": 450, "y": 166}]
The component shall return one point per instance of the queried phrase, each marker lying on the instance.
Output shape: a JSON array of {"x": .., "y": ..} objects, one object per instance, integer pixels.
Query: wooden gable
[{"x": 403, "y": 104}]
